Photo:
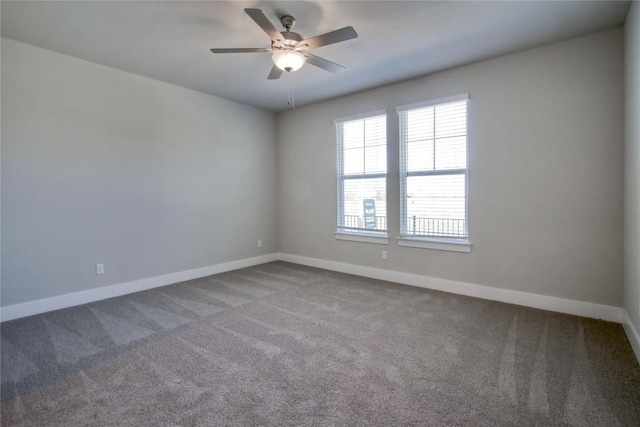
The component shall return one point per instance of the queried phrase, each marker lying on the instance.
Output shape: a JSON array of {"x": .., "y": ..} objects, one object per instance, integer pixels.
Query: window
[
  {"x": 362, "y": 174},
  {"x": 433, "y": 170}
]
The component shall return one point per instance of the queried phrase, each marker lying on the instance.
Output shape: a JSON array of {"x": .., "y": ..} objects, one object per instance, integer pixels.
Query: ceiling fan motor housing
[{"x": 290, "y": 41}]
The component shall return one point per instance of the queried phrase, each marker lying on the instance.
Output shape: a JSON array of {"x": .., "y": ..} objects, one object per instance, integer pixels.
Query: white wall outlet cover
[{"x": 99, "y": 268}]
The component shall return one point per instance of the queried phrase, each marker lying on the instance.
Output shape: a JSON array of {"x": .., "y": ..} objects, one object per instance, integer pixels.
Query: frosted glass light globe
[{"x": 288, "y": 60}]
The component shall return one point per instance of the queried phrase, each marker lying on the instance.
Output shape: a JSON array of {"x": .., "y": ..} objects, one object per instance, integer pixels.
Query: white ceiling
[{"x": 398, "y": 40}]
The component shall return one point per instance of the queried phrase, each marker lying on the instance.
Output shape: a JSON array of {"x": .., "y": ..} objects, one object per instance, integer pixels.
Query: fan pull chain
[{"x": 291, "y": 100}]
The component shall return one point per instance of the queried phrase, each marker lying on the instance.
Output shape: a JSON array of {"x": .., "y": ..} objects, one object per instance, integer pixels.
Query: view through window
[
  {"x": 362, "y": 174},
  {"x": 433, "y": 169}
]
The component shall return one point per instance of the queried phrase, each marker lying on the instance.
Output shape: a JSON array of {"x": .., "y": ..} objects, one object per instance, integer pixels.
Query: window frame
[
  {"x": 359, "y": 235},
  {"x": 431, "y": 242}
]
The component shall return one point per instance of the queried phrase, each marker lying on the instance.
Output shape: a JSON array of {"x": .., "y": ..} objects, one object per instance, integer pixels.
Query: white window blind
[
  {"x": 433, "y": 169},
  {"x": 362, "y": 174}
]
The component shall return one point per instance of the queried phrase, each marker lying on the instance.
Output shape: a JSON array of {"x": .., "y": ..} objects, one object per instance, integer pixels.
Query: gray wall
[
  {"x": 99, "y": 165},
  {"x": 545, "y": 162},
  {"x": 632, "y": 165}
]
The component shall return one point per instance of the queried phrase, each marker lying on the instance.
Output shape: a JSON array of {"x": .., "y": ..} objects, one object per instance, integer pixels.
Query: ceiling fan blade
[
  {"x": 240, "y": 50},
  {"x": 264, "y": 23},
  {"x": 275, "y": 73},
  {"x": 346, "y": 33},
  {"x": 324, "y": 63}
]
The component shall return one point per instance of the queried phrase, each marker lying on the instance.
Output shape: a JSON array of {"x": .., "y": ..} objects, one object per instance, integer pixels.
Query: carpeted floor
[{"x": 280, "y": 344}]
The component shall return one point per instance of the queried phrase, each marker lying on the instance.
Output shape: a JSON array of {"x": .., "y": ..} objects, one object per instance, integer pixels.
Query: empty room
[{"x": 367, "y": 213}]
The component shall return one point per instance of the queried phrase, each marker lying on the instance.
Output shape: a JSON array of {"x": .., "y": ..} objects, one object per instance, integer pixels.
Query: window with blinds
[
  {"x": 362, "y": 174},
  {"x": 433, "y": 169}
]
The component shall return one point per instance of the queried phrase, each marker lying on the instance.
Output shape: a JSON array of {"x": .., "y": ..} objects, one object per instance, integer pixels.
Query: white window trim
[
  {"x": 359, "y": 116},
  {"x": 431, "y": 102},
  {"x": 437, "y": 244},
  {"x": 362, "y": 238},
  {"x": 445, "y": 243}
]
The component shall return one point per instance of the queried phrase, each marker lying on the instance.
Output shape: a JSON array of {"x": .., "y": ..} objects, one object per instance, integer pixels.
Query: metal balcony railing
[
  {"x": 436, "y": 227},
  {"x": 356, "y": 222},
  {"x": 416, "y": 226}
]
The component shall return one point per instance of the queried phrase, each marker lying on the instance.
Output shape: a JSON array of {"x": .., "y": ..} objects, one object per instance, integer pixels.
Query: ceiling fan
[{"x": 289, "y": 50}]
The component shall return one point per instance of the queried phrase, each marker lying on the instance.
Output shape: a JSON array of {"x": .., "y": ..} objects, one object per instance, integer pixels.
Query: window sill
[
  {"x": 437, "y": 244},
  {"x": 363, "y": 238}
]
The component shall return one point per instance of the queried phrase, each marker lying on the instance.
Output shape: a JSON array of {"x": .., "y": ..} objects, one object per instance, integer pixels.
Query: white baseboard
[
  {"x": 632, "y": 334},
  {"x": 44, "y": 305},
  {"x": 560, "y": 305}
]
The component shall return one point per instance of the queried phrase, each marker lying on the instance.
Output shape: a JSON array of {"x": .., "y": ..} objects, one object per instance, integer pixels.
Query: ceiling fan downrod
[{"x": 288, "y": 22}]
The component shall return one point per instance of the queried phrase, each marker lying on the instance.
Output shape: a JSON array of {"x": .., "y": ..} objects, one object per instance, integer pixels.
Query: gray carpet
[{"x": 280, "y": 344}]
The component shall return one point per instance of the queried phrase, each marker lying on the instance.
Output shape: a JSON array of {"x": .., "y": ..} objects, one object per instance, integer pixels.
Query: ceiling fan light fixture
[{"x": 288, "y": 60}]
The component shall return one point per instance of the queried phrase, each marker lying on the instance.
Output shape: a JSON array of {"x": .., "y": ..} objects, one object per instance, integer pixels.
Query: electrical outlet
[
  {"x": 259, "y": 243},
  {"x": 99, "y": 268},
  {"x": 384, "y": 254}
]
